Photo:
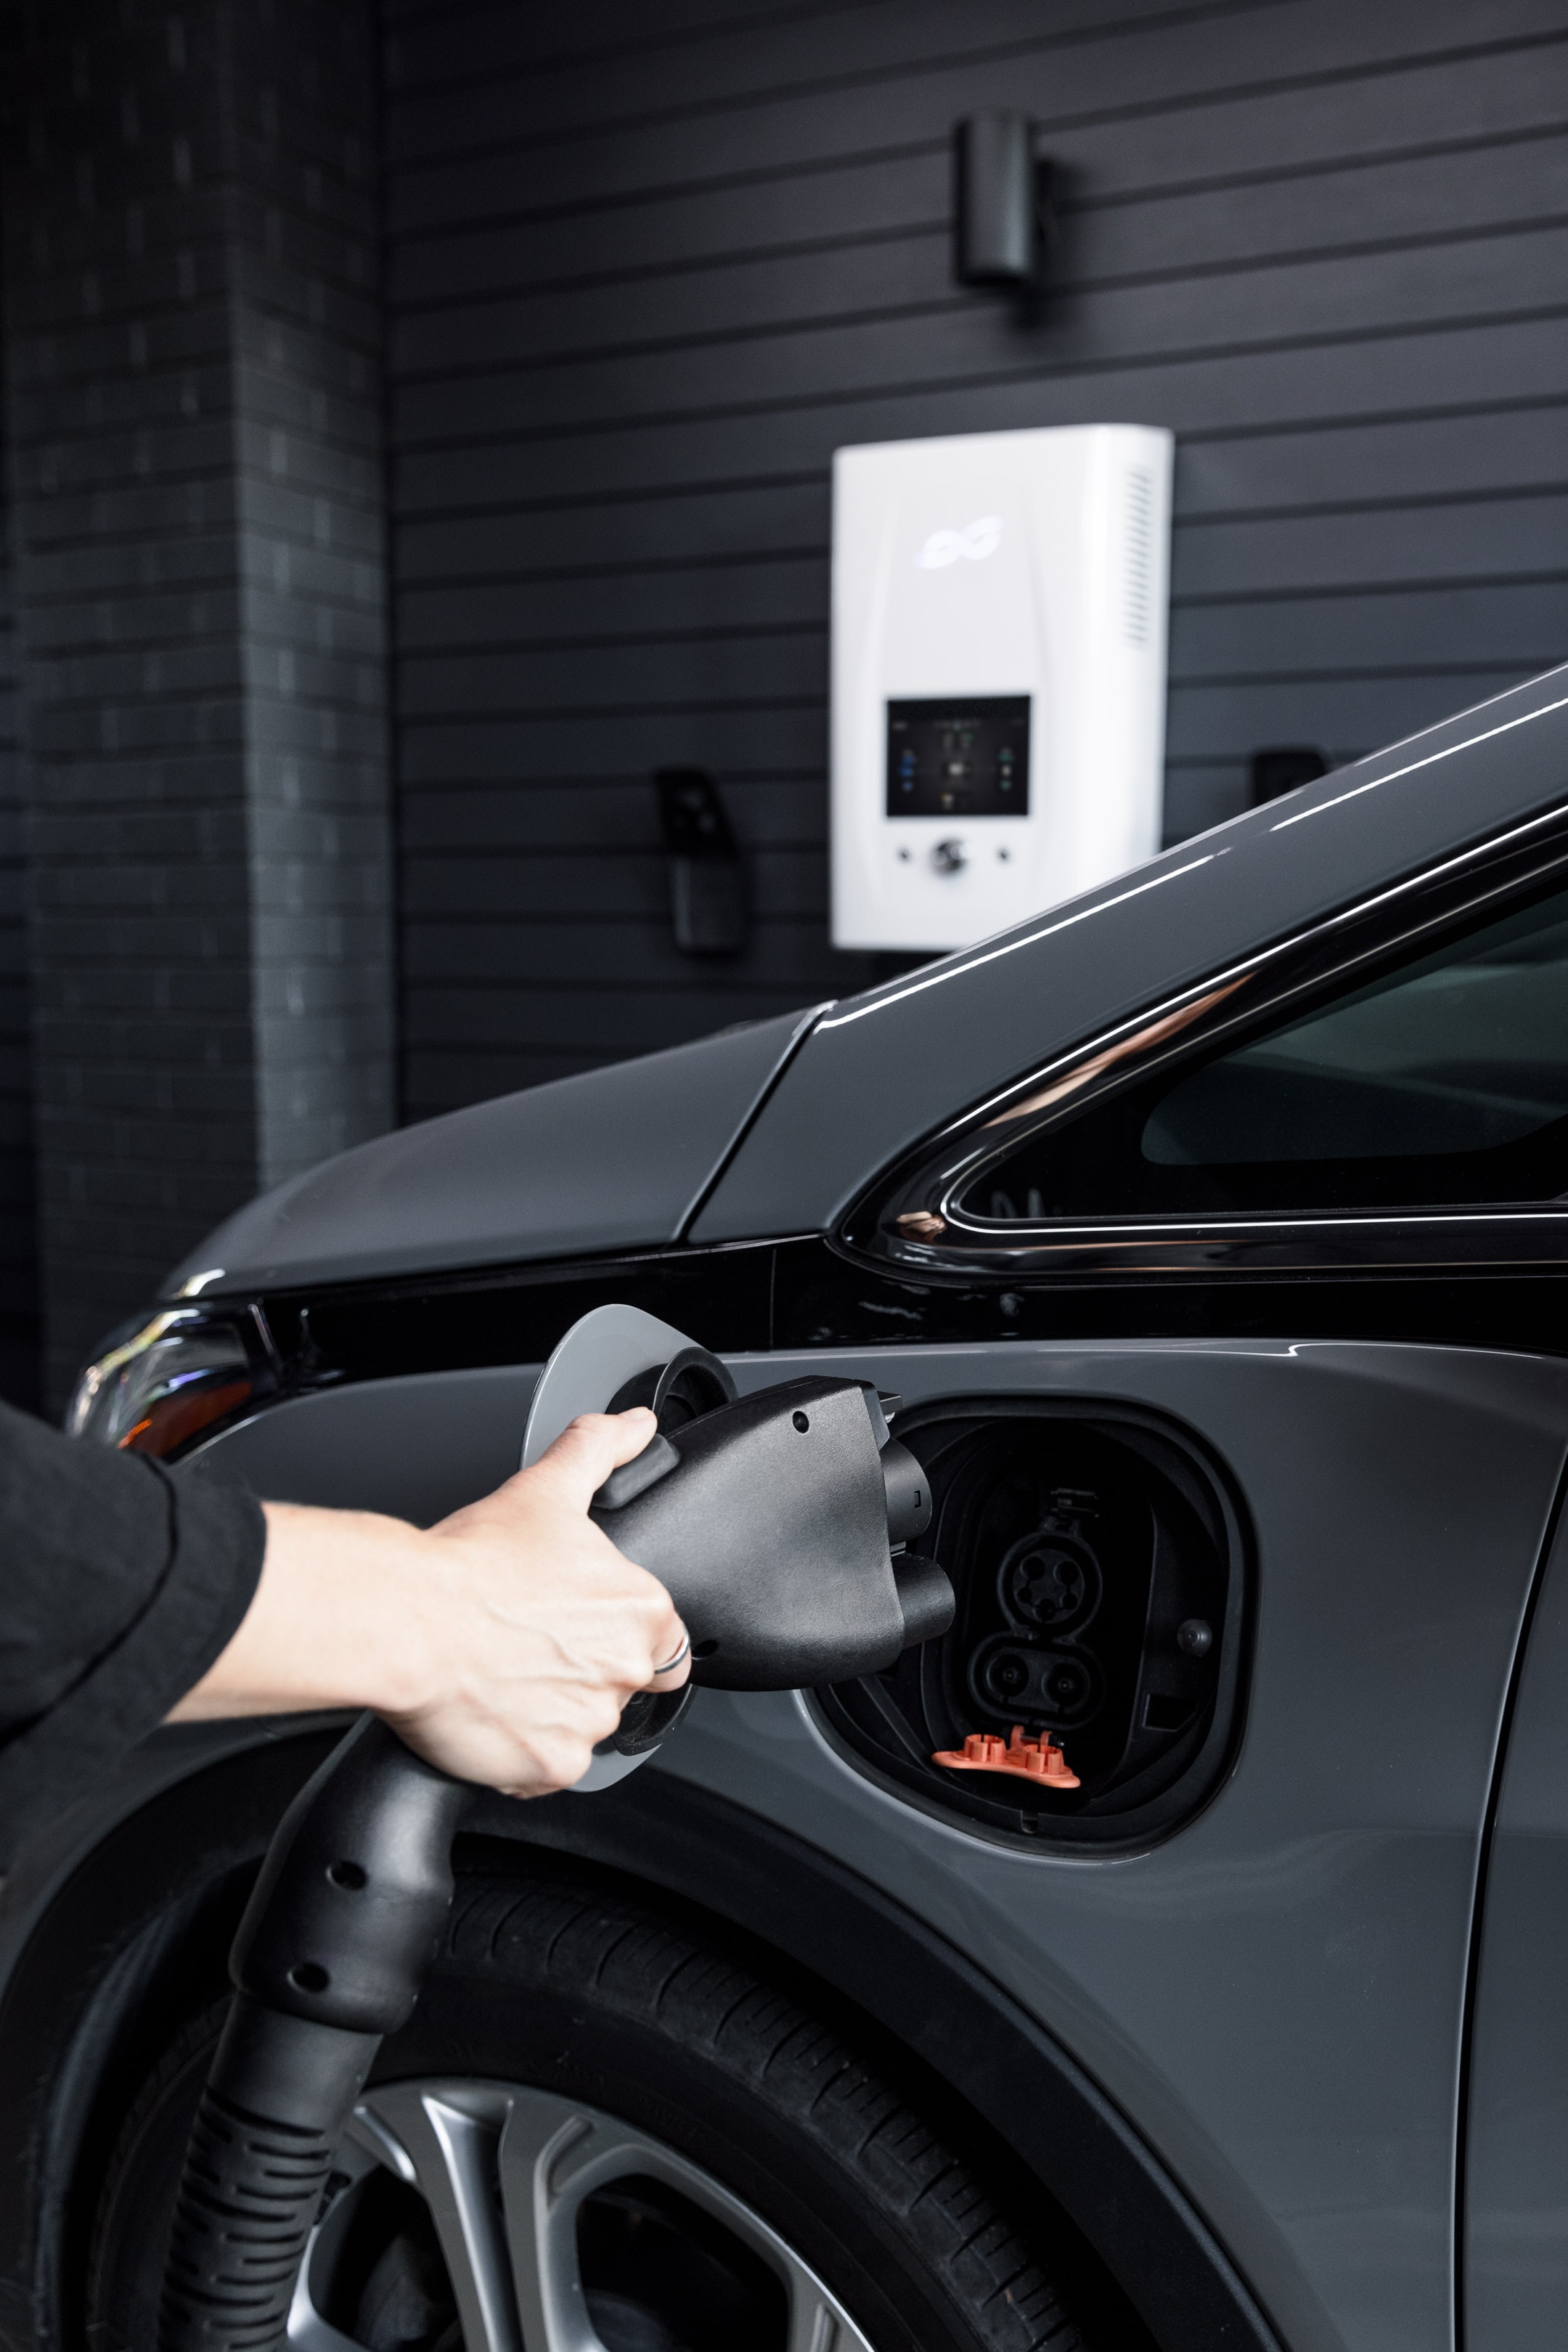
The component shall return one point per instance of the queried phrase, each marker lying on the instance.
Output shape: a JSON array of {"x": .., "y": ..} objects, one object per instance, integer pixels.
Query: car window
[{"x": 1443, "y": 1082}]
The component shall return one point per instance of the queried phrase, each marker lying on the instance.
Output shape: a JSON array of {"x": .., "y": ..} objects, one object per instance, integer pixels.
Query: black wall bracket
[
  {"x": 1271, "y": 773},
  {"x": 707, "y": 876}
]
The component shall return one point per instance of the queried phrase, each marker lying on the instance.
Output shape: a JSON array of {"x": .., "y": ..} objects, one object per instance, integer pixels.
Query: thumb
[{"x": 590, "y": 1447}]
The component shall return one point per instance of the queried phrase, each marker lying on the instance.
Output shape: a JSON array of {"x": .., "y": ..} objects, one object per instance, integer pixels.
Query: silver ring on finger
[{"x": 681, "y": 1655}]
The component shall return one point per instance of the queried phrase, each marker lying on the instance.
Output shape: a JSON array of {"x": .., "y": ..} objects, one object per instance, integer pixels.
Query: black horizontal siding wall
[{"x": 648, "y": 268}]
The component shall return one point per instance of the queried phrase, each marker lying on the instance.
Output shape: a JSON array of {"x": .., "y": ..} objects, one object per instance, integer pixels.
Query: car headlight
[{"x": 157, "y": 1386}]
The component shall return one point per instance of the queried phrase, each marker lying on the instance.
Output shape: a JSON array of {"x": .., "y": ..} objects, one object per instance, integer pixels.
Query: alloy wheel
[{"x": 491, "y": 2217}]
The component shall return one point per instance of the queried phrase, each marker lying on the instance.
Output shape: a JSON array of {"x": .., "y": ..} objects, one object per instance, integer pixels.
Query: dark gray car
[{"x": 1210, "y": 1232}]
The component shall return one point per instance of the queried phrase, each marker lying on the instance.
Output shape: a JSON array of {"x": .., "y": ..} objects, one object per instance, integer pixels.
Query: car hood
[{"x": 618, "y": 1158}]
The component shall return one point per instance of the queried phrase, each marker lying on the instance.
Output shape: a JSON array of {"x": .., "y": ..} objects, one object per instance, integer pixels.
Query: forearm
[
  {"x": 122, "y": 1582},
  {"x": 335, "y": 1622},
  {"x": 502, "y": 1643}
]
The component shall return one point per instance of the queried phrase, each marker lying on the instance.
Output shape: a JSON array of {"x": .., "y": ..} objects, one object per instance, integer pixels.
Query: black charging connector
[{"x": 780, "y": 1525}]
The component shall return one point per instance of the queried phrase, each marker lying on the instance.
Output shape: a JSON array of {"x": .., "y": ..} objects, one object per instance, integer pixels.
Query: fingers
[
  {"x": 593, "y": 1446},
  {"x": 646, "y": 1646},
  {"x": 581, "y": 1459},
  {"x": 676, "y": 1668},
  {"x": 531, "y": 1762},
  {"x": 547, "y": 1742},
  {"x": 562, "y": 1628},
  {"x": 648, "y": 1623}
]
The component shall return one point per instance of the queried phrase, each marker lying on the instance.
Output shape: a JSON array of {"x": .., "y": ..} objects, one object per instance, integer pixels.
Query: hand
[
  {"x": 501, "y": 1644},
  {"x": 574, "y": 1637}
]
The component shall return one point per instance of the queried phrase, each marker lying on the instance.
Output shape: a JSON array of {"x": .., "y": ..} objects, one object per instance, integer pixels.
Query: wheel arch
[
  {"x": 143, "y": 1920},
  {"x": 137, "y": 1922}
]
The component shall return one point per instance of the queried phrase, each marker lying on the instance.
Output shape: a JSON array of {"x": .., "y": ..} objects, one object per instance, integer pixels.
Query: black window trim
[{"x": 911, "y": 1217}]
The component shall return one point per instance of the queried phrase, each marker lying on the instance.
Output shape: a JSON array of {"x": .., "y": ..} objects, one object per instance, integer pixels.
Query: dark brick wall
[
  {"x": 304, "y": 265},
  {"x": 123, "y": 414},
  {"x": 195, "y": 404},
  {"x": 646, "y": 268},
  {"x": 18, "y": 1301}
]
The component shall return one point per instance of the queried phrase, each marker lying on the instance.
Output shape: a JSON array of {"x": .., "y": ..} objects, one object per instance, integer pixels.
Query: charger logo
[{"x": 972, "y": 544}]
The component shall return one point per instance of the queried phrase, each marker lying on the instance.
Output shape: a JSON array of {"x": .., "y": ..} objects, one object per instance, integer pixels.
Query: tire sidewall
[
  {"x": 603, "y": 1999},
  {"x": 812, "y": 2176}
]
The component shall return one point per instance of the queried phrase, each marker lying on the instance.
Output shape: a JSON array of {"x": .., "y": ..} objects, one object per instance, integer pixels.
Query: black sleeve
[{"x": 120, "y": 1582}]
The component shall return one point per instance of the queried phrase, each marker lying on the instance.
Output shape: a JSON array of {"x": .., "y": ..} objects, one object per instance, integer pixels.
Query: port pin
[{"x": 1028, "y": 1759}]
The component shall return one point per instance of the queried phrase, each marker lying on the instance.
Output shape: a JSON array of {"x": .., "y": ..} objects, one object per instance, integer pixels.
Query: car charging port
[{"x": 1099, "y": 1562}]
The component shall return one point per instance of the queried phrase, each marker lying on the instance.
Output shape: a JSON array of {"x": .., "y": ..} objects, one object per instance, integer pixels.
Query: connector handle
[{"x": 344, "y": 1919}]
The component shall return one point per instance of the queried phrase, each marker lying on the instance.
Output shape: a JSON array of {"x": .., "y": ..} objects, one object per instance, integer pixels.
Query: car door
[
  {"x": 1516, "y": 2199},
  {"x": 1301, "y": 1218}
]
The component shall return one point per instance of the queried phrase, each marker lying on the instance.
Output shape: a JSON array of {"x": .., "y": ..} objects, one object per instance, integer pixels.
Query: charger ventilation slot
[{"x": 1140, "y": 556}]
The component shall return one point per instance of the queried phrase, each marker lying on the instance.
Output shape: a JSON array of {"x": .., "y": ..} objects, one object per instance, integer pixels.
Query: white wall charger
[{"x": 1000, "y": 608}]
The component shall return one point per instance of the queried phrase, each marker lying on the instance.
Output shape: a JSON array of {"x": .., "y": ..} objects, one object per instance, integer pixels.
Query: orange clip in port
[{"x": 1029, "y": 1759}]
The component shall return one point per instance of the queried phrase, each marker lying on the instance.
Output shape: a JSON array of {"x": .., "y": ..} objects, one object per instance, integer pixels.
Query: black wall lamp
[{"x": 1004, "y": 221}]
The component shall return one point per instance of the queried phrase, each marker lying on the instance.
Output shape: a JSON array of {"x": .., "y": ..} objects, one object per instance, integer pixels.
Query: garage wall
[
  {"x": 642, "y": 282},
  {"x": 18, "y": 1318},
  {"x": 192, "y": 404}
]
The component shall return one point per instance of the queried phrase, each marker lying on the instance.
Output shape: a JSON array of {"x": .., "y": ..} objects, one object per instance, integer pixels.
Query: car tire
[{"x": 610, "y": 2007}]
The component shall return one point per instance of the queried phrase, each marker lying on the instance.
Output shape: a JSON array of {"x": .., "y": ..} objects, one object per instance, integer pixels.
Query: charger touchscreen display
[{"x": 948, "y": 758}]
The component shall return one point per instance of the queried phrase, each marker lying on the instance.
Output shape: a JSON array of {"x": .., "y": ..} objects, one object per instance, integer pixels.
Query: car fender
[{"x": 84, "y": 1963}]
